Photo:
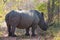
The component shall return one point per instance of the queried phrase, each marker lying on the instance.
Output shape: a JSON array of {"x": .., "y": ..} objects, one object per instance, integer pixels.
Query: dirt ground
[
  {"x": 30, "y": 38},
  {"x": 4, "y": 33}
]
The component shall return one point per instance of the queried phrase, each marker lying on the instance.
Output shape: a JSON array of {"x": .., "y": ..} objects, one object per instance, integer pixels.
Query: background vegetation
[{"x": 51, "y": 9}]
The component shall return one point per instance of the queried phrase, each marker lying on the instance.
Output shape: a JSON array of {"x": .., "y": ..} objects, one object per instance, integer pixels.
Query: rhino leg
[
  {"x": 33, "y": 29},
  {"x": 27, "y": 32},
  {"x": 13, "y": 31},
  {"x": 9, "y": 30}
]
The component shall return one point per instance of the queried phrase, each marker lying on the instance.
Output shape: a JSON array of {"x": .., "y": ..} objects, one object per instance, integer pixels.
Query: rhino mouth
[{"x": 43, "y": 26}]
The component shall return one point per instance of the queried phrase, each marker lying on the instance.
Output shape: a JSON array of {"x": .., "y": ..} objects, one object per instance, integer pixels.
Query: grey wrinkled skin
[
  {"x": 24, "y": 20},
  {"x": 42, "y": 24}
]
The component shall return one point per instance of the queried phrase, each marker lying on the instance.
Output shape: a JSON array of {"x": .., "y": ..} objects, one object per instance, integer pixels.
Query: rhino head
[{"x": 42, "y": 24}]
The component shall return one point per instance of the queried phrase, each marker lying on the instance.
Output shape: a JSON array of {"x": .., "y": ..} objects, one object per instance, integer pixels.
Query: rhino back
[
  {"x": 22, "y": 20},
  {"x": 26, "y": 19}
]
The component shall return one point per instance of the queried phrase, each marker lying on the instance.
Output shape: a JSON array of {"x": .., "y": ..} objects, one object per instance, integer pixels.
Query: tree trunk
[{"x": 50, "y": 11}]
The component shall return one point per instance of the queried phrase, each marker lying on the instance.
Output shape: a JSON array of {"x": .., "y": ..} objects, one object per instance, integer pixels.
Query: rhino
[{"x": 24, "y": 19}]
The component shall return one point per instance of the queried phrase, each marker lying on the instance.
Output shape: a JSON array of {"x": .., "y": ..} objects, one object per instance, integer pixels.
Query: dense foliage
[{"x": 55, "y": 29}]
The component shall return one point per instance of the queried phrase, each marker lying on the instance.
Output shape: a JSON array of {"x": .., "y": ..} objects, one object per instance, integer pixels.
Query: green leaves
[
  {"x": 42, "y": 7},
  {"x": 57, "y": 3}
]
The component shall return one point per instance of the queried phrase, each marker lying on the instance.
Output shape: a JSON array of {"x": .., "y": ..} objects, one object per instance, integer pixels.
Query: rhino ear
[{"x": 42, "y": 13}]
